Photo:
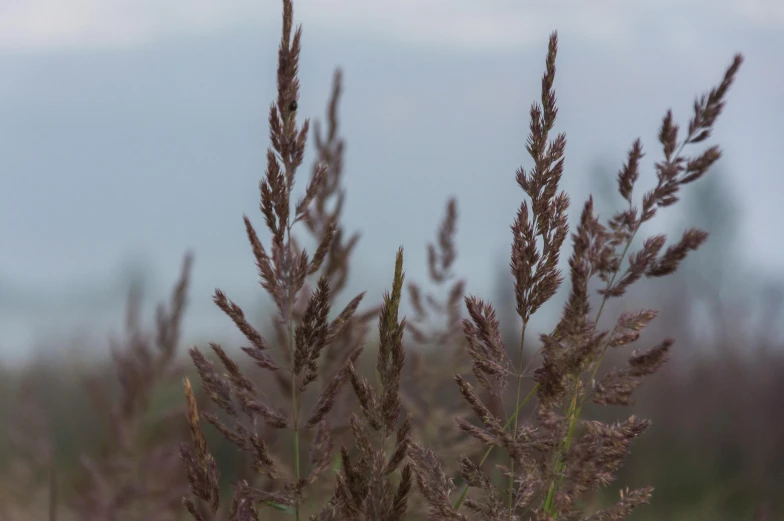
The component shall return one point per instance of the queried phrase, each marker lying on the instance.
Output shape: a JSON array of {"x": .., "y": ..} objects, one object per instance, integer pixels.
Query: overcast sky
[{"x": 131, "y": 131}]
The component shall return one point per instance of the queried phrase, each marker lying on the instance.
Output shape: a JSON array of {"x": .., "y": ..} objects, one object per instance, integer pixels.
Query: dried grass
[
  {"x": 318, "y": 436},
  {"x": 553, "y": 462}
]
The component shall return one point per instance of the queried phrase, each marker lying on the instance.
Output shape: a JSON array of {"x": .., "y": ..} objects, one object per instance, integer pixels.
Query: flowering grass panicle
[{"x": 549, "y": 465}]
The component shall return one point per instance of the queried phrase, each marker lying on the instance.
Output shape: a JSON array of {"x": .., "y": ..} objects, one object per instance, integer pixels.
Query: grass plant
[{"x": 549, "y": 464}]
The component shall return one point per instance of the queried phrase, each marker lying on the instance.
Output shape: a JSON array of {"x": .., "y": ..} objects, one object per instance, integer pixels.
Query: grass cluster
[
  {"x": 552, "y": 460},
  {"x": 330, "y": 430}
]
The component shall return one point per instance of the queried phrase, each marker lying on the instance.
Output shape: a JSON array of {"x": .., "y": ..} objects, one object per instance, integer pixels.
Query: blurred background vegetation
[{"x": 715, "y": 450}]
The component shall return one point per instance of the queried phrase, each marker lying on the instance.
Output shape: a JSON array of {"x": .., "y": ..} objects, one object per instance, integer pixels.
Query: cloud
[
  {"x": 57, "y": 24},
  {"x": 47, "y": 24}
]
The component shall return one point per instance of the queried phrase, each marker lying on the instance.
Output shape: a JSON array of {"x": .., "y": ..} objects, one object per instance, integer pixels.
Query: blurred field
[
  {"x": 117, "y": 432},
  {"x": 715, "y": 450}
]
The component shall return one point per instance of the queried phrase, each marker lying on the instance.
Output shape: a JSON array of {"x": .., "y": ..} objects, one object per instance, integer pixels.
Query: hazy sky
[{"x": 131, "y": 131}]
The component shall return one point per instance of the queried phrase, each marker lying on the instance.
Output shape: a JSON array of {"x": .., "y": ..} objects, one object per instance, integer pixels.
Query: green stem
[
  {"x": 574, "y": 409},
  {"x": 516, "y": 417},
  {"x": 294, "y": 393},
  {"x": 490, "y": 449}
]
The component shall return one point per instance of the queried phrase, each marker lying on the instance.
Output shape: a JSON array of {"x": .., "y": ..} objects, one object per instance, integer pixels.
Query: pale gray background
[{"x": 133, "y": 130}]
